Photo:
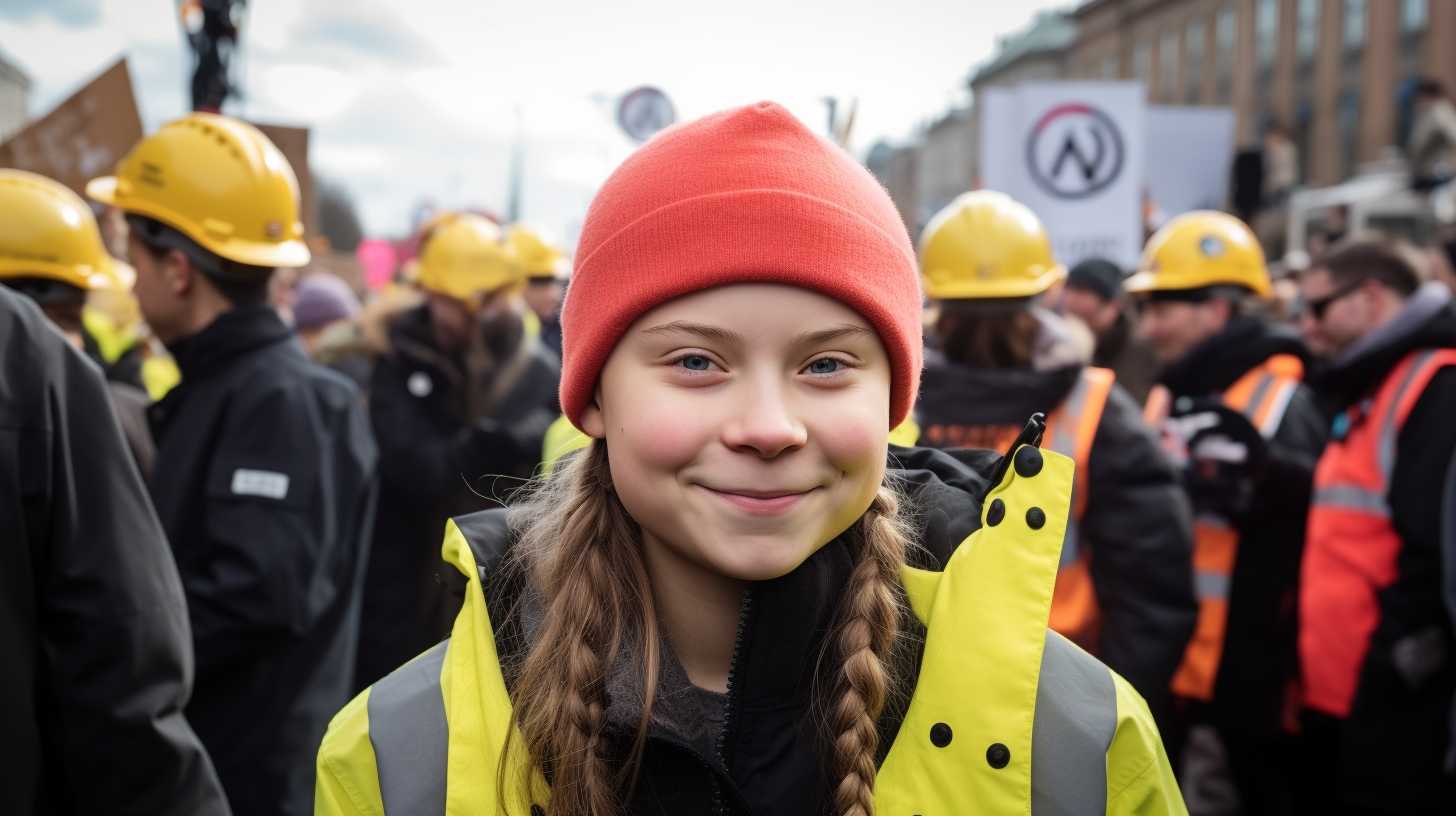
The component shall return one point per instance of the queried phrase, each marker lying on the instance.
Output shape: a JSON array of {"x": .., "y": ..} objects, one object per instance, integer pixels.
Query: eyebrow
[
  {"x": 722, "y": 335},
  {"x": 702, "y": 330}
]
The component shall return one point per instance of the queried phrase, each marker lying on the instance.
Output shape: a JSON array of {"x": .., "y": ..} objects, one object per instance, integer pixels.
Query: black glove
[{"x": 1225, "y": 456}]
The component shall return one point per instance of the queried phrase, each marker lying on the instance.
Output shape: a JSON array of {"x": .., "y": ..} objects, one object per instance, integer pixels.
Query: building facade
[{"x": 1335, "y": 74}]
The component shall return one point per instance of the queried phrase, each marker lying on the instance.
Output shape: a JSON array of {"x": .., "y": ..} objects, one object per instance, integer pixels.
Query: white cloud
[{"x": 417, "y": 100}]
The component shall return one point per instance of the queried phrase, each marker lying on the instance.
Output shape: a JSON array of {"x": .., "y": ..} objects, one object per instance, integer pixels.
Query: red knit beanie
[{"x": 743, "y": 196}]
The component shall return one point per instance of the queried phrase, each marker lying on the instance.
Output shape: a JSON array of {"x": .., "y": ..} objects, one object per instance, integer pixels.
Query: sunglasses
[{"x": 1316, "y": 307}]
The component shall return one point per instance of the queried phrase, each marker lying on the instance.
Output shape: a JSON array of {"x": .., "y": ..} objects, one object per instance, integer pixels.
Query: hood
[
  {"x": 956, "y": 394},
  {"x": 1428, "y": 320},
  {"x": 1218, "y": 362}
]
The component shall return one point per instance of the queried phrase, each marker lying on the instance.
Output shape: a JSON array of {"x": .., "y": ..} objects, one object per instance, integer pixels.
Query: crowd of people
[{"x": 749, "y": 505}]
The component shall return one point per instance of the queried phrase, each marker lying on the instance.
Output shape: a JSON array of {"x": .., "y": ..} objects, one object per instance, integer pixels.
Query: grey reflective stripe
[
  {"x": 1257, "y": 397},
  {"x": 410, "y": 736},
  {"x": 1280, "y": 406},
  {"x": 1389, "y": 429},
  {"x": 1209, "y": 586},
  {"x": 1076, "y": 718},
  {"x": 1351, "y": 497},
  {"x": 1216, "y": 522},
  {"x": 1070, "y": 547}
]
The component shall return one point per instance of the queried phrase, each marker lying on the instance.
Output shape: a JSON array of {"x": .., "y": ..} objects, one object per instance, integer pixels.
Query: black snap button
[
  {"x": 940, "y": 735},
  {"x": 537, "y": 810},
  {"x": 1028, "y": 462},
  {"x": 1035, "y": 518},
  {"x": 998, "y": 756},
  {"x": 996, "y": 513}
]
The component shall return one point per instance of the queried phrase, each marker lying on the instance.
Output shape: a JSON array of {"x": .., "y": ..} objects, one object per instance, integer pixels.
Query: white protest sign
[
  {"x": 1074, "y": 152},
  {"x": 1189, "y": 155}
]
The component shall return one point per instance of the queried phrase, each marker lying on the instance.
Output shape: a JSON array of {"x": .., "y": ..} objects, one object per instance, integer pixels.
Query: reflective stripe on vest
[
  {"x": 1263, "y": 395},
  {"x": 1070, "y": 431},
  {"x": 1352, "y": 548},
  {"x": 410, "y": 737}
]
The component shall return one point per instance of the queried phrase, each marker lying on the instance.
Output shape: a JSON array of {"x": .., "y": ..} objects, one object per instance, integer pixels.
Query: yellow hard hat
[
  {"x": 218, "y": 181},
  {"x": 47, "y": 231},
  {"x": 1201, "y": 249},
  {"x": 538, "y": 259},
  {"x": 986, "y": 245},
  {"x": 465, "y": 256}
]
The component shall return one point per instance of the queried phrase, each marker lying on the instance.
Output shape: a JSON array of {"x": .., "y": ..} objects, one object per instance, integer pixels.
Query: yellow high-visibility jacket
[{"x": 1006, "y": 716}]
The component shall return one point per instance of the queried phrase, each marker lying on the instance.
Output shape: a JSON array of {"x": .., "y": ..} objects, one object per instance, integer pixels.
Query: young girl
[{"x": 728, "y": 603}]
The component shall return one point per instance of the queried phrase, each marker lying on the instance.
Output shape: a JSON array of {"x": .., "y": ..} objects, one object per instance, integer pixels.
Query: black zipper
[{"x": 730, "y": 711}]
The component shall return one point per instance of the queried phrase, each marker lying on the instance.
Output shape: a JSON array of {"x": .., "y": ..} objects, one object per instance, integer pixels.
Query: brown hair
[
  {"x": 580, "y": 553},
  {"x": 987, "y": 334},
  {"x": 1384, "y": 261}
]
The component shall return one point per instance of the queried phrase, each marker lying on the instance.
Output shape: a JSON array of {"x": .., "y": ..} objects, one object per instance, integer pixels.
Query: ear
[
  {"x": 593, "y": 422},
  {"x": 178, "y": 272}
]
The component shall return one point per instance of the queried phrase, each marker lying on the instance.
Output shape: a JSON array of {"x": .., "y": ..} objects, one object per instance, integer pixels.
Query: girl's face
[{"x": 746, "y": 425}]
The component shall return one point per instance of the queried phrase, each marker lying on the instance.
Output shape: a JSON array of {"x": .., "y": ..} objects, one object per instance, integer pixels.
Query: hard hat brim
[
  {"x": 1147, "y": 281},
  {"x": 279, "y": 255},
  {"x": 995, "y": 289}
]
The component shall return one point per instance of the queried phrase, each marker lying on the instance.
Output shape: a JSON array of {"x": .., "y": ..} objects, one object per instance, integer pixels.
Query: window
[
  {"x": 1355, "y": 23},
  {"x": 1348, "y": 116},
  {"x": 1168, "y": 65},
  {"x": 1193, "y": 42},
  {"x": 1225, "y": 30},
  {"x": 1413, "y": 14},
  {"x": 1266, "y": 31},
  {"x": 1308, "y": 30},
  {"x": 1112, "y": 67},
  {"x": 1142, "y": 61}
]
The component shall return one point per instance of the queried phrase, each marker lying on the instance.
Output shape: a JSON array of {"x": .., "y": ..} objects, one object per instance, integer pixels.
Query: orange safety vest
[
  {"x": 1069, "y": 431},
  {"x": 1262, "y": 395},
  {"x": 1351, "y": 547}
]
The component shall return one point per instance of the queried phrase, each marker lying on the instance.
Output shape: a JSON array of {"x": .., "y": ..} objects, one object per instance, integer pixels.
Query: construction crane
[{"x": 211, "y": 28}]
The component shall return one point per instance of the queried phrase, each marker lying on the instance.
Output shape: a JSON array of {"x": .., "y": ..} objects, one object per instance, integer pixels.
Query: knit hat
[
  {"x": 321, "y": 299},
  {"x": 744, "y": 196},
  {"x": 1099, "y": 276}
]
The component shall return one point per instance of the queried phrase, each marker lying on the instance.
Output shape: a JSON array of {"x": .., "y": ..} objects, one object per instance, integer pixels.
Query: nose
[{"x": 765, "y": 424}]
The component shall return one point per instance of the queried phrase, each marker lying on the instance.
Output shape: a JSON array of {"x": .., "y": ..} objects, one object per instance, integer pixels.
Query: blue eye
[
  {"x": 825, "y": 365},
  {"x": 695, "y": 362}
]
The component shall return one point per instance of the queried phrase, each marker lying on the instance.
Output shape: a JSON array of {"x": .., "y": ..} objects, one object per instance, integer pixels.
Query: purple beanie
[{"x": 321, "y": 299}]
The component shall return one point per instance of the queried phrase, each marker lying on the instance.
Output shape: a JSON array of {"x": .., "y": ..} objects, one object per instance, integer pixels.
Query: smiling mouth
[{"x": 760, "y": 502}]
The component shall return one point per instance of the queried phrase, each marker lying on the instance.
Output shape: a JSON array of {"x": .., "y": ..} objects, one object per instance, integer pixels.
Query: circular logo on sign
[
  {"x": 419, "y": 384},
  {"x": 644, "y": 111},
  {"x": 1074, "y": 151}
]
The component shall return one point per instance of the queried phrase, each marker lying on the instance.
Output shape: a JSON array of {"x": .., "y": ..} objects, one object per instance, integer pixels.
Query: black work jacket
[
  {"x": 1259, "y": 656},
  {"x": 94, "y": 641},
  {"x": 265, "y": 484},
  {"x": 436, "y": 461}
]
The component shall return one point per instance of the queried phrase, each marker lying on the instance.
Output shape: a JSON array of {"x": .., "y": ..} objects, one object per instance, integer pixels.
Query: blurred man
[
  {"x": 325, "y": 315},
  {"x": 1376, "y": 603},
  {"x": 1125, "y": 589},
  {"x": 1432, "y": 145},
  {"x": 93, "y": 625},
  {"x": 1246, "y": 432},
  {"x": 265, "y": 469},
  {"x": 546, "y": 275},
  {"x": 460, "y": 397},
  {"x": 1093, "y": 294},
  {"x": 51, "y": 252}
]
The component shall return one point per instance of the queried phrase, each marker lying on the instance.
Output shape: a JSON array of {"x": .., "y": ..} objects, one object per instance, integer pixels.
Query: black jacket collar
[
  {"x": 233, "y": 333},
  {"x": 1428, "y": 320},
  {"x": 1218, "y": 362}
]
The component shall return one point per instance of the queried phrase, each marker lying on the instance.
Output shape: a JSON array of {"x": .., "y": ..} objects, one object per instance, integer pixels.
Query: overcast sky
[{"x": 414, "y": 101}]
